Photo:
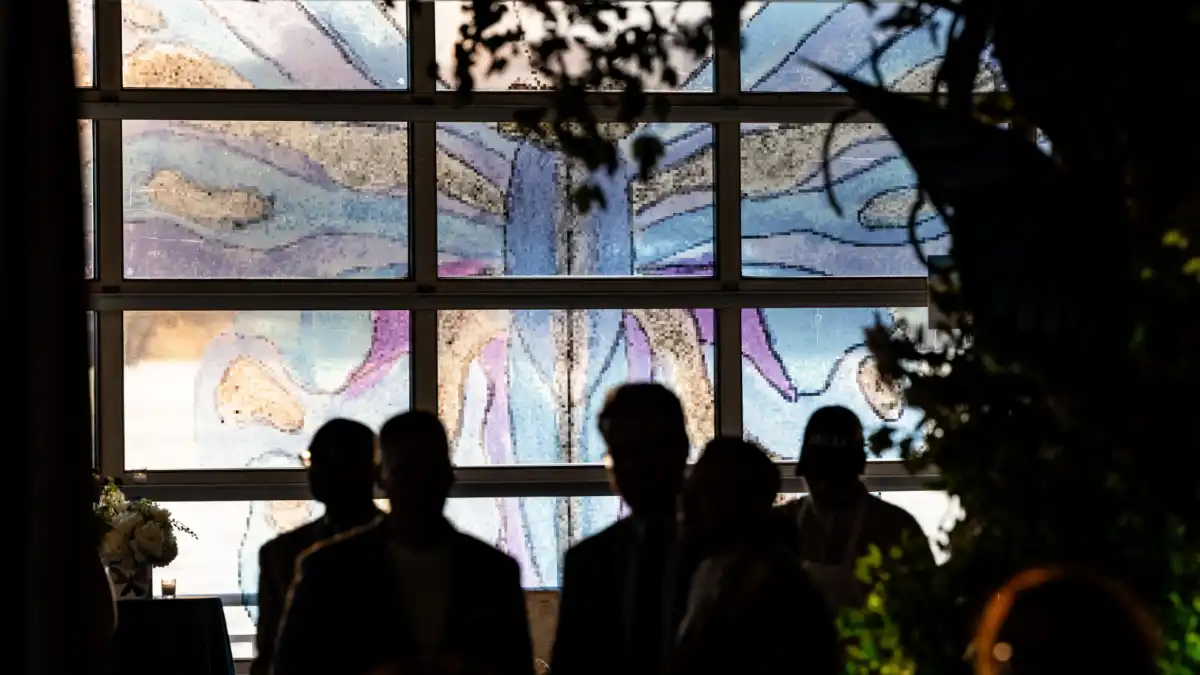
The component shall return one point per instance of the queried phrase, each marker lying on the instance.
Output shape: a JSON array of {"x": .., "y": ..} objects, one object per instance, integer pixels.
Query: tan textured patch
[
  {"x": 775, "y": 160},
  {"x": 696, "y": 174},
  {"x": 457, "y": 180},
  {"x": 544, "y": 134},
  {"x": 173, "y": 193},
  {"x": 249, "y": 393},
  {"x": 172, "y": 336},
  {"x": 462, "y": 335},
  {"x": 286, "y": 515},
  {"x": 885, "y": 400},
  {"x": 892, "y": 209},
  {"x": 85, "y": 142},
  {"x": 364, "y": 157},
  {"x": 674, "y": 337},
  {"x": 83, "y": 68},
  {"x": 140, "y": 16},
  {"x": 171, "y": 67}
]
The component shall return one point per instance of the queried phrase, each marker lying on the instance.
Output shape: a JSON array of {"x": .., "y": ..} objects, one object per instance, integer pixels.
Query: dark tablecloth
[{"x": 171, "y": 636}]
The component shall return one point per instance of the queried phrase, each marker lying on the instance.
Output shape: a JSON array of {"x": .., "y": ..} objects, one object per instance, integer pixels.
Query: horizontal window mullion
[
  {"x": 372, "y": 106},
  {"x": 564, "y": 300},
  {"x": 582, "y": 480},
  {"x": 511, "y": 293}
]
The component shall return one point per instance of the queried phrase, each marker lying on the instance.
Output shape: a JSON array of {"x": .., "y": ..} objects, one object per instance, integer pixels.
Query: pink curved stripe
[
  {"x": 637, "y": 350},
  {"x": 389, "y": 341},
  {"x": 756, "y": 347}
]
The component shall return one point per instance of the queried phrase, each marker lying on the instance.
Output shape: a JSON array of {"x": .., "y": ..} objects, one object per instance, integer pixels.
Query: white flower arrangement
[{"x": 137, "y": 532}]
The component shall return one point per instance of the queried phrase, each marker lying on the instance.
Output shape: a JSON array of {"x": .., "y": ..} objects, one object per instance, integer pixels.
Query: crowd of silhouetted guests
[{"x": 707, "y": 576}]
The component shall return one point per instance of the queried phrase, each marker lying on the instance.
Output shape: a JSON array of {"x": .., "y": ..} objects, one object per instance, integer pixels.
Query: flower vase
[{"x": 131, "y": 583}]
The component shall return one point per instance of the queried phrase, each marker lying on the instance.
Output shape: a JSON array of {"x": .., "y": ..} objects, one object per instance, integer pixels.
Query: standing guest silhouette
[
  {"x": 839, "y": 520},
  {"x": 341, "y": 475},
  {"x": 406, "y": 591},
  {"x": 620, "y": 602},
  {"x": 751, "y": 608}
]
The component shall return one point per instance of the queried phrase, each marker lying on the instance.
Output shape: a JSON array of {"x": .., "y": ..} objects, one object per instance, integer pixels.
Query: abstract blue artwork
[
  {"x": 330, "y": 200},
  {"x": 809, "y": 358}
]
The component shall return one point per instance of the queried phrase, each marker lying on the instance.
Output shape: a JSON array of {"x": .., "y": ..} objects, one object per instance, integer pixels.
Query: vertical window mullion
[
  {"x": 422, "y": 159},
  {"x": 728, "y": 250}
]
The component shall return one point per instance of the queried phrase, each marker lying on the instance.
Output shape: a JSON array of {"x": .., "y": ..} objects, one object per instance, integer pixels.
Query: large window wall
[{"x": 289, "y": 220}]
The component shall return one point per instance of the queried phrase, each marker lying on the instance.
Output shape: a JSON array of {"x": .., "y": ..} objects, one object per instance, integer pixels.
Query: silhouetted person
[
  {"x": 407, "y": 591},
  {"x": 1057, "y": 621},
  {"x": 839, "y": 520},
  {"x": 751, "y": 607},
  {"x": 341, "y": 475},
  {"x": 620, "y": 601}
]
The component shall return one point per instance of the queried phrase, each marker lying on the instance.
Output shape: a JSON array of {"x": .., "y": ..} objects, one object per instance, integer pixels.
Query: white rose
[
  {"x": 126, "y": 522},
  {"x": 114, "y": 550},
  {"x": 159, "y": 515},
  {"x": 149, "y": 540}
]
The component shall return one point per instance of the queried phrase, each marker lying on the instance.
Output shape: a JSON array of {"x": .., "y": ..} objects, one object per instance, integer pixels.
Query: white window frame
[{"x": 422, "y": 107}]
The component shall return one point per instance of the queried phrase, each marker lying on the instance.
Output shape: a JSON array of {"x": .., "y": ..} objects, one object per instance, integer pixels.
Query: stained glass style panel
[
  {"x": 83, "y": 40},
  {"x": 788, "y": 225},
  {"x": 781, "y": 38},
  {"x": 282, "y": 44},
  {"x": 504, "y": 206},
  {"x": 693, "y": 73},
  {"x": 525, "y": 386},
  {"x": 225, "y": 390},
  {"x": 89, "y": 237},
  {"x": 797, "y": 360},
  {"x": 280, "y": 200},
  {"x": 223, "y": 559}
]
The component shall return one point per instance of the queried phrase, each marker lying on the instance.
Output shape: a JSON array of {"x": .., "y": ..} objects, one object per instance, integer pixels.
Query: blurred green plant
[
  {"x": 1054, "y": 376},
  {"x": 874, "y": 642}
]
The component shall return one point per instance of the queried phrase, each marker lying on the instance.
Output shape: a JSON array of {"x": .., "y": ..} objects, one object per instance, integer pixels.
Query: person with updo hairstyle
[{"x": 1061, "y": 621}]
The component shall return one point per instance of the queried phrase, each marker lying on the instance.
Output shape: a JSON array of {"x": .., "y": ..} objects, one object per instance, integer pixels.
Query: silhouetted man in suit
[
  {"x": 408, "y": 590},
  {"x": 341, "y": 475},
  {"x": 621, "y": 596}
]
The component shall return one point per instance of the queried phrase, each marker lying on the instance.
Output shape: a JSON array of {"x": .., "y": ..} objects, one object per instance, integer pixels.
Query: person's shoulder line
[{"x": 340, "y": 537}]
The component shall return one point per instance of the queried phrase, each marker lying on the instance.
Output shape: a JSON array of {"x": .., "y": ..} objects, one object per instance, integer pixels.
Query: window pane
[
  {"x": 692, "y": 73},
  {"x": 234, "y": 44},
  {"x": 788, "y": 226},
  {"x": 223, "y": 559},
  {"x": 797, "y": 360},
  {"x": 281, "y": 200},
  {"x": 936, "y": 512},
  {"x": 223, "y": 390},
  {"x": 504, "y": 206},
  {"x": 82, "y": 20},
  {"x": 85, "y": 158},
  {"x": 781, "y": 38},
  {"x": 525, "y": 386}
]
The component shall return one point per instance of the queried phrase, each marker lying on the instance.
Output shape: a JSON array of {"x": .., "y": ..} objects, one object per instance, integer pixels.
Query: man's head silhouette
[
  {"x": 644, "y": 427},
  {"x": 416, "y": 472},
  {"x": 341, "y": 464},
  {"x": 833, "y": 455}
]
